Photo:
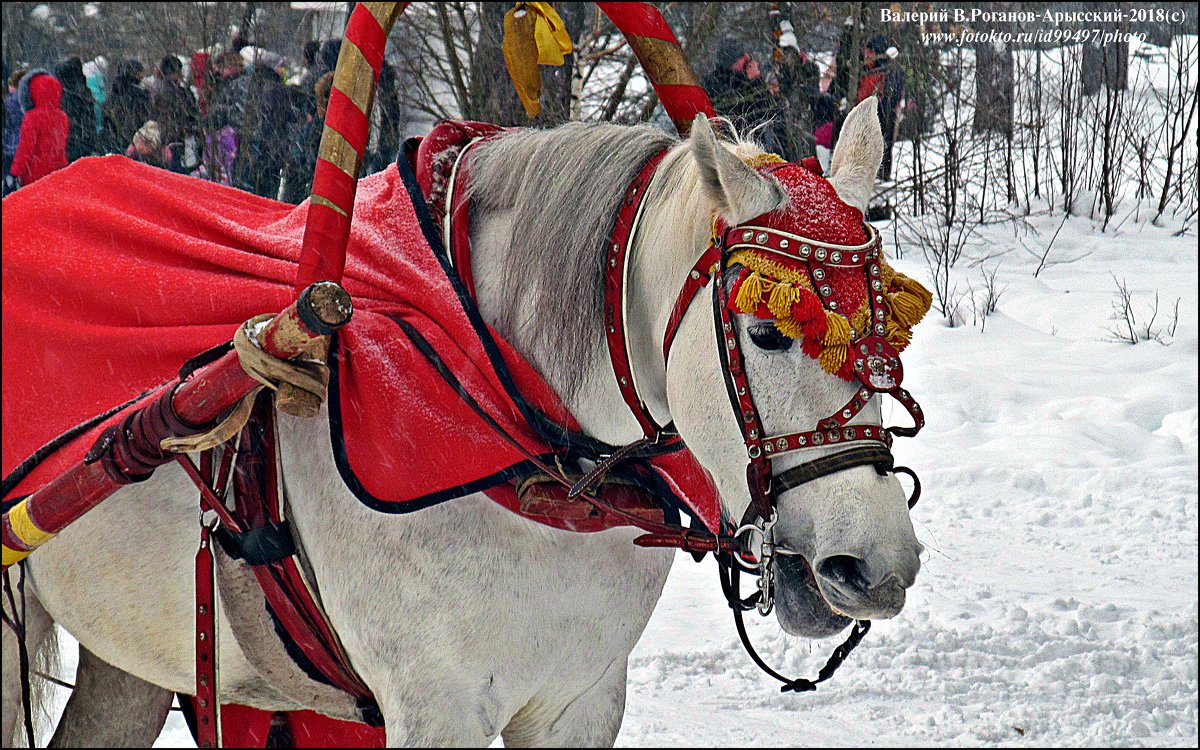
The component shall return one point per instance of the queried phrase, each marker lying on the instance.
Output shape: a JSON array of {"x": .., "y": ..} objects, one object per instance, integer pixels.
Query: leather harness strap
[
  {"x": 615, "y": 278},
  {"x": 256, "y": 532}
]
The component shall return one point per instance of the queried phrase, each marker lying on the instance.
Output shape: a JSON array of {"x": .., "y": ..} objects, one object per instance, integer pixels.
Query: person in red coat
[
  {"x": 43, "y": 145},
  {"x": 883, "y": 77}
]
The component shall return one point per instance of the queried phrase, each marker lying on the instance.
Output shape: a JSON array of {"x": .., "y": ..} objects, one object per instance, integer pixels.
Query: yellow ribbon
[{"x": 534, "y": 34}]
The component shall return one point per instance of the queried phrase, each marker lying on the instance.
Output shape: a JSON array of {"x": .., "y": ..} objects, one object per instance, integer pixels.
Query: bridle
[{"x": 875, "y": 364}]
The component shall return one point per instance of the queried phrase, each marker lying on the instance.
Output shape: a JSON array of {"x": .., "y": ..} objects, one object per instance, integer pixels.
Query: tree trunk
[
  {"x": 556, "y": 80},
  {"x": 493, "y": 97},
  {"x": 1106, "y": 64}
]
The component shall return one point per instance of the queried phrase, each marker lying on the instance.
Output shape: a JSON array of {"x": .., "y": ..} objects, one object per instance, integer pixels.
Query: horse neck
[{"x": 671, "y": 231}]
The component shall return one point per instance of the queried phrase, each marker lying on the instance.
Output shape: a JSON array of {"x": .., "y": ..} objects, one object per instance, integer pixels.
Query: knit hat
[
  {"x": 877, "y": 44},
  {"x": 149, "y": 135}
]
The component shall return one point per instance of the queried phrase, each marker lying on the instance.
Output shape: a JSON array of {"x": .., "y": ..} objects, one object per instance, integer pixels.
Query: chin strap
[{"x": 729, "y": 573}]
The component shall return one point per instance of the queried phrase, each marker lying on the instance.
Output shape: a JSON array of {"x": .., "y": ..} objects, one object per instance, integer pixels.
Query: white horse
[{"x": 464, "y": 619}]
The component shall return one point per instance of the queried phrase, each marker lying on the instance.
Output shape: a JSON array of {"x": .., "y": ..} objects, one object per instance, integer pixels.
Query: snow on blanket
[{"x": 126, "y": 271}]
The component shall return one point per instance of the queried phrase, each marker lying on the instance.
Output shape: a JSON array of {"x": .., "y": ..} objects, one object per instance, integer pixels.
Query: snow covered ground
[{"x": 1057, "y": 601}]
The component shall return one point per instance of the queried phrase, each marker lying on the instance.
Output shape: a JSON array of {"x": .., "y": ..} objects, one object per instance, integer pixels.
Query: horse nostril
[{"x": 845, "y": 571}]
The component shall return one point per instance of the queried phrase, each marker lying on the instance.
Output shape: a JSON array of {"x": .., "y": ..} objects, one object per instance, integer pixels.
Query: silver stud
[
  {"x": 783, "y": 244},
  {"x": 741, "y": 390},
  {"x": 761, "y": 238},
  {"x": 805, "y": 249},
  {"x": 834, "y": 436},
  {"x": 746, "y": 235},
  {"x": 874, "y": 270},
  {"x": 818, "y": 439},
  {"x": 864, "y": 394},
  {"x": 753, "y": 451},
  {"x": 612, "y": 262},
  {"x": 728, "y": 327},
  {"x": 880, "y": 328},
  {"x": 832, "y": 304},
  {"x": 845, "y": 413},
  {"x": 835, "y": 256},
  {"x": 821, "y": 253},
  {"x": 853, "y": 258},
  {"x": 753, "y": 434},
  {"x": 850, "y": 433},
  {"x": 624, "y": 381},
  {"x": 819, "y": 274},
  {"x": 781, "y": 443},
  {"x": 616, "y": 248},
  {"x": 695, "y": 274},
  {"x": 730, "y": 343},
  {"x": 878, "y": 297},
  {"x": 201, "y": 636},
  {"x": 826, "y": 290},
  {"x": 877, "y": 285},
  {"x": 801, "y": 440},
  {"x": 768, "y": 448},
  {"x": 879, "y": 314}
]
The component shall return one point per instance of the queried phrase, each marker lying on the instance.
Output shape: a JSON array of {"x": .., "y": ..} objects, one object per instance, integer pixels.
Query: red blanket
[{"x": 115, "y": 273}]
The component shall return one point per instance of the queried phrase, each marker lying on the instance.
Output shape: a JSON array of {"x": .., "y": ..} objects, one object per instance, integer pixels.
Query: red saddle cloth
[{"x": 116, "y": 273}]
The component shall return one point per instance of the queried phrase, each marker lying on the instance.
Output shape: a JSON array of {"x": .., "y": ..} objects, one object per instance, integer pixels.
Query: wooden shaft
[
  {"x": 204, "y": 398},
  {"x": 344, "y": 142}
]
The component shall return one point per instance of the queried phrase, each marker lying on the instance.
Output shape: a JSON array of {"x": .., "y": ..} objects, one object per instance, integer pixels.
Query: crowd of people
[
  {"x": 796, "y": 103},
  {"x": 233, "y": 116}
]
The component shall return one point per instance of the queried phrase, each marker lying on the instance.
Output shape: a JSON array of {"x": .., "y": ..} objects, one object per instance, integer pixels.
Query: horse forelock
[
  {"x": 814, "y": 209},
  {"x": 563, "y": 189}
]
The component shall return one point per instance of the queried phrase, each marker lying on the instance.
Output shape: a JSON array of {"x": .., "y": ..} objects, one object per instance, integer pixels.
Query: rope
[
  {"x": 17, "y": 623},
  {"x": 730, "y": 586},
  {"x": 305, "y": 378}
]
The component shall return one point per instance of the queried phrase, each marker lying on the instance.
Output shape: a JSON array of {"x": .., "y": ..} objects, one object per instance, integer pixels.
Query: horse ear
[
  {"x": 858, "y": 155},
  {"x": 739, "y": 192}
]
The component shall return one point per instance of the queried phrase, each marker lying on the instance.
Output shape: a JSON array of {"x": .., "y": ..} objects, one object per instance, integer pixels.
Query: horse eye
[{"x": 767, "y": 336}]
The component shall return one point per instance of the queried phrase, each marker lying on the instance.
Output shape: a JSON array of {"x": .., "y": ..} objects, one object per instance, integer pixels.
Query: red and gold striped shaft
[
  {"x": 344, "y": 142},
  {"x": 658, "y": 51}
]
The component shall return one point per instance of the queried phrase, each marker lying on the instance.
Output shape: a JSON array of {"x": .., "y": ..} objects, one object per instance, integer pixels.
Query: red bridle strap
[
  {"x": 697, "y": 279},
  {"x": 615, "y": 272}
]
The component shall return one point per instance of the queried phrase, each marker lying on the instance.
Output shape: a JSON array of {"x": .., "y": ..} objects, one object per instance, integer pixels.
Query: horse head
[{"x": 850, "y": 547}]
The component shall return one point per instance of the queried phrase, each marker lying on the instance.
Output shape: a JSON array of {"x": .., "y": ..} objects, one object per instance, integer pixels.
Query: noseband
[{"x": 875, "y": 364}]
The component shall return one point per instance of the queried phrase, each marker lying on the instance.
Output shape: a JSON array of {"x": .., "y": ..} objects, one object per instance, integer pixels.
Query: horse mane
[{"x": 563, "y": 189}]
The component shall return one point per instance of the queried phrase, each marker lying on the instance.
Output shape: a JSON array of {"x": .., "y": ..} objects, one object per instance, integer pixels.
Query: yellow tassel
[
  {"x": 781, "y": 299},
  {"x": 914, "y": 287},
  {"x": 832, "y": 358},
  {"x": 762, "y": 160},
  {"x": 789, "y": 328},
  {"x": 906, "y": 310},
  {"x": 750, "y": 293},
  {"x": 898, "y": 336},
  {"x": 837, "y": 332},
  {"x": 886, "y": 274}
]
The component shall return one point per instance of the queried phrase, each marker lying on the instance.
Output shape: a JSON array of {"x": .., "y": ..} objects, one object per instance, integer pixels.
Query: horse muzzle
[{"x": 866, "y": 589}]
